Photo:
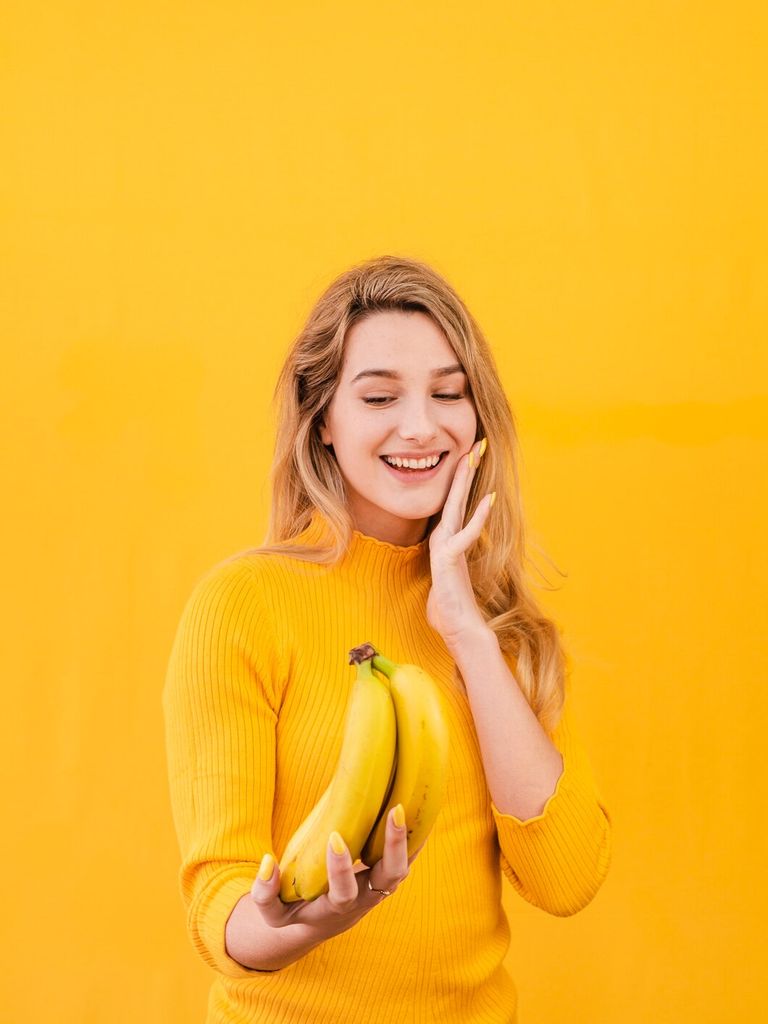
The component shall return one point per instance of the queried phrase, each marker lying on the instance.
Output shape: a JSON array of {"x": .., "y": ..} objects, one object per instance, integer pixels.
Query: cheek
[
  {"x": 348, "y": 425},
  {"x": 359, "y": 438},
  {"x": 468, "y": 425}
]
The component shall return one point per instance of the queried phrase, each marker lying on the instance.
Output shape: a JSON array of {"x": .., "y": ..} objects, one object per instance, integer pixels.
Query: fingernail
[
  {"x": 472, "y": 458},
  {"x": 483, "y": 446},
  {"x": 267, "y": 867},
  {"x": 337, "y": 844},
  {"x": 399, "y": 816},
  {"x": 493, "y": 498}
]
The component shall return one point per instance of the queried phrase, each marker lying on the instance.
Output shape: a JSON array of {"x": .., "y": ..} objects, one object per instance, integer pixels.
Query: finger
[
  {"x": 393, "y": 866},
  {"x": 474, "y": 527},
  {"x": 343, "y": 889},
  {"x": 477, "y": 452},
  {"x": 265, "y": 892},
  {"x": 468, "y": 481},
  {"x": 453, "y": 507}
]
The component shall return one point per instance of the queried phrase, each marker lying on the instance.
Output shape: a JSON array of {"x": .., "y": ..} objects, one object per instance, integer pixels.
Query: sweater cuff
[
  {"x": 559, "y": 857},
  {"x": 549, "y": 809},
  {"x": 209, "y": 915}
]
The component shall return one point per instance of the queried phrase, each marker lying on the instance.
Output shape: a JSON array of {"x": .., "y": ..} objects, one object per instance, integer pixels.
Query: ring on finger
[{"x": 383, "y": 892}]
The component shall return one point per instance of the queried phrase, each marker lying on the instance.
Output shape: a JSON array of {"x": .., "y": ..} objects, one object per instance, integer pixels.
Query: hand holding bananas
[
  {"x": 349, "y": 896},
  {"x": 394, "y": 752}
]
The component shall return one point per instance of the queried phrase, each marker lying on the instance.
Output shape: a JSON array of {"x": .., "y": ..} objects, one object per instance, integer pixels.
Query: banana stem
[
  {"x": 384, "y": 665},
  {"x": 366, "y": 656},
  {"x": 362, "y": 653},
  {"x": 364, "y": 670}
]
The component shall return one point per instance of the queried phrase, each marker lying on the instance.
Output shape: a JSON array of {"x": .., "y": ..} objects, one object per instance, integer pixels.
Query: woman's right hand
[{"x": 348, "y": 897}]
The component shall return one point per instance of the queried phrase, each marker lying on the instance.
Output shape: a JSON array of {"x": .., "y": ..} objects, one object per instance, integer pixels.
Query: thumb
[
  {"x": 267, "y": 881},
  {"x": 265, "y": 893}
]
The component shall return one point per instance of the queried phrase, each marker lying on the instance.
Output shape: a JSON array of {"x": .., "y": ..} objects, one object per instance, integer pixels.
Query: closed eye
[{"x": 380, "y": 400}]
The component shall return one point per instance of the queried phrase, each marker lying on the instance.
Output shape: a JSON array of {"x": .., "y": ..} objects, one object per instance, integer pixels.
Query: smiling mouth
[{"x": 406, "y": 470}]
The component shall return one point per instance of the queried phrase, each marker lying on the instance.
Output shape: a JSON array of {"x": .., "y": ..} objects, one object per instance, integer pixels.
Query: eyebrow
[{"x": 442, "y": 371}]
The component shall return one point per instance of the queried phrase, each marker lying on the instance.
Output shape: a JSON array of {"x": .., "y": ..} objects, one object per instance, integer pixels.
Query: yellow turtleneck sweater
[{"x": 254, "y": 702}]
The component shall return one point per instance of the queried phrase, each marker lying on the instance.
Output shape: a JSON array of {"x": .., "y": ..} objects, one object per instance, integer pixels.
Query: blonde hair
[{"x": 305, "y": 475}]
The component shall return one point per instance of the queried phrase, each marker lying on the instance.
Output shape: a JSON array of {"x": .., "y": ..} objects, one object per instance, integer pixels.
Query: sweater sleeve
[
  {"x": 219, "y": 704},
  {"x": 558, "y": 859}
]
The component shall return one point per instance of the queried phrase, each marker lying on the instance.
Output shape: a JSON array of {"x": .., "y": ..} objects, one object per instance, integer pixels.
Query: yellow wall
[{"x": 179, "y": 182}]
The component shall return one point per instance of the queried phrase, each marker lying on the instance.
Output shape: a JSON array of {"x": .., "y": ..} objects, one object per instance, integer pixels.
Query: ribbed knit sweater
[{"x": 254, "y": 704}]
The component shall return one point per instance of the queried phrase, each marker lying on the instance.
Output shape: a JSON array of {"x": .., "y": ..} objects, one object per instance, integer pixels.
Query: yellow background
[{"x": 179, "y": 182}]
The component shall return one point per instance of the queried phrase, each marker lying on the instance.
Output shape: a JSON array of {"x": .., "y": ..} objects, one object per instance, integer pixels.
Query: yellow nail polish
[
  {"x": 493, "y": 498},
  {"x": 399, "y": 816},
  {"x": 471, "y": 459},
  {"x": 267, "y": 867},
  {"x": 483, "y": 446},
  {"x": 337, "y": 843}
]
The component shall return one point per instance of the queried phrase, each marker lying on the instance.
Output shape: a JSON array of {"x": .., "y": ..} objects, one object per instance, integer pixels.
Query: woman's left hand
[{"x": 451, "y": 606}]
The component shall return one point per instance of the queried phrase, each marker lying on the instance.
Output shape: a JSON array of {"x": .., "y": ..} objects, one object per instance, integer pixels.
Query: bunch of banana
[{"x": 394, "y": 750}]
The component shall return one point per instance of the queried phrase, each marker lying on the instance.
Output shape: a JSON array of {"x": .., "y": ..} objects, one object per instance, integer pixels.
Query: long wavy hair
[{"x": 305, "y": 474}]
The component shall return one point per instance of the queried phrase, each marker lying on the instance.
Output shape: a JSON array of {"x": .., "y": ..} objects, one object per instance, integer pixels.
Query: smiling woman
[
  {"x": 409, "y": 419},
  {"x": 393, "y": 435}
]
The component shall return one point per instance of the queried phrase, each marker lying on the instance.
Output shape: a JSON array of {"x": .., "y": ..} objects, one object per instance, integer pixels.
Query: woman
[{"x": 389, "y": 366}]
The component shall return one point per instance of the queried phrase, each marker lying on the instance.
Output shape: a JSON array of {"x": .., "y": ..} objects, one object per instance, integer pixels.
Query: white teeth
[{"x": 413, "y": 463}]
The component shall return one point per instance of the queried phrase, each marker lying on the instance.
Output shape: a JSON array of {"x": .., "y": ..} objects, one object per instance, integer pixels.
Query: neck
[
  {"x": 370, "y": 557},
  {"x": 401, "y": 532}
]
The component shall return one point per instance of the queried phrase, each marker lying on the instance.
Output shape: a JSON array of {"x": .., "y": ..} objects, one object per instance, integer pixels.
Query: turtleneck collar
[{"x": 397, "y": 563}]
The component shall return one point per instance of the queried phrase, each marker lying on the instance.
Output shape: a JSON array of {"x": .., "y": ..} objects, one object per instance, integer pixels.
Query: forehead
[{"x": 398, "y": 341}]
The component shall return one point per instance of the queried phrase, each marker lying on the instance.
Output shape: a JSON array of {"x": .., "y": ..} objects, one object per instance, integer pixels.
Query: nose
[{"x": 418, "y": 422}]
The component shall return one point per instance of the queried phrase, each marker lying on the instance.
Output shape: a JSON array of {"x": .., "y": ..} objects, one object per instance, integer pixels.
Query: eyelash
[{"x": 381, "y": 401}]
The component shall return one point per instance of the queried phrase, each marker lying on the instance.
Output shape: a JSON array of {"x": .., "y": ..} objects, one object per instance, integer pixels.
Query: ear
[{"x": 325, "y": 434}]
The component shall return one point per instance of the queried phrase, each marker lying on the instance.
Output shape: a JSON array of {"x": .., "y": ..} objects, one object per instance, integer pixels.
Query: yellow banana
[
  {"x": 299, "y": 838},
  {"x": 422, "y": 756},
  {"x": 288, "y": 893},
  {"x": 359, "y": 786}
]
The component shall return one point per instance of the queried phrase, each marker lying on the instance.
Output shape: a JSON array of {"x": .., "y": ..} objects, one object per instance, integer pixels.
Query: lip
[
  {"x": 414, "y": 455},
  {"x": 415, "y": 476}
]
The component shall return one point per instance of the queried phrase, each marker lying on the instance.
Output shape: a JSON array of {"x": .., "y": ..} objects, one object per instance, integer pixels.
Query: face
[{"x": 410, "y": 411}]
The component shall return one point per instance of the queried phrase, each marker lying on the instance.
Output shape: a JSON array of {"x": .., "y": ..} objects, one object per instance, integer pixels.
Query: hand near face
[{"x": 451, "y": 606}]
